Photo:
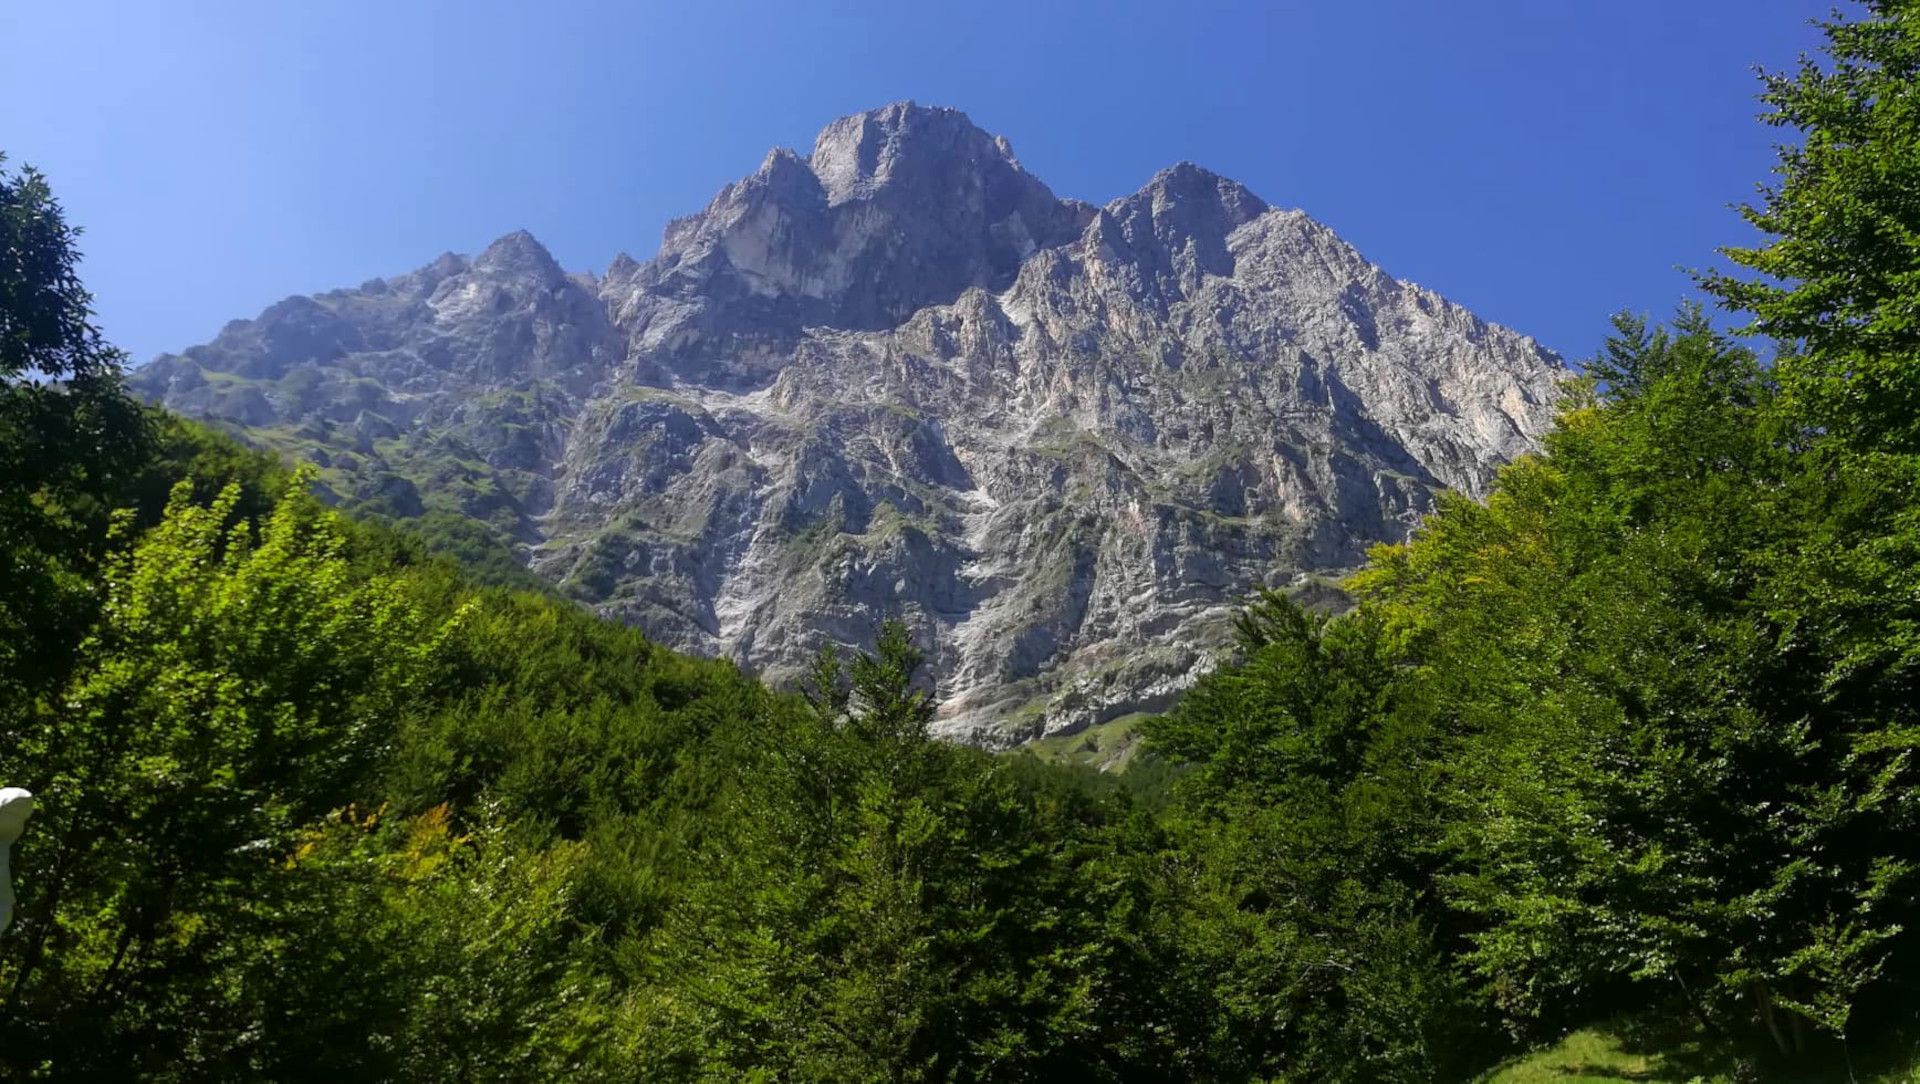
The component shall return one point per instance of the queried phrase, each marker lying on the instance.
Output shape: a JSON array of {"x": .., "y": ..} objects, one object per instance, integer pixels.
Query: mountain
[{"x": 898, "y": 375}]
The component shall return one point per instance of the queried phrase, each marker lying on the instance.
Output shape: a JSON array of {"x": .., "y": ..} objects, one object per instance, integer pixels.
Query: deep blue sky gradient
[{"x": 1544, "y": 163}]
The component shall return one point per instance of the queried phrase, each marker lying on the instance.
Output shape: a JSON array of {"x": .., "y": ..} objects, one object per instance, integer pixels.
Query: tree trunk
[
  {"x": 1693, "y": 1006},
  {"x": 48, "y": 906},
  {"x": 1765, "y": 1001}
]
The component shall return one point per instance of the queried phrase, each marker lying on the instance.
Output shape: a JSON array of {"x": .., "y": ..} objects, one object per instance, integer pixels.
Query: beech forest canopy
[{"x": 1629, "y": 744}]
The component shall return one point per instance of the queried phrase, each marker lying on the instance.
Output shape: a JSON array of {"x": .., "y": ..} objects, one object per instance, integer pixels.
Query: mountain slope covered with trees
[{"x": 1631, "y": 739}]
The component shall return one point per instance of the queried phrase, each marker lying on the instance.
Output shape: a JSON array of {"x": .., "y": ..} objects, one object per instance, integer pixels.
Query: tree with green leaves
[
  {"x": 1300, "y": 898},
  {"x": 1657, "y": 774},
  {"x": 1837, "y": 282},
  {"x": 68, "y": 437},
  {"x": 240, "y": 684}
]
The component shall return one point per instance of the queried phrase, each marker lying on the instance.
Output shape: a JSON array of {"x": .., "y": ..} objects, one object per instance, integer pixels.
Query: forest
[{"x": 1629, "y": 745}]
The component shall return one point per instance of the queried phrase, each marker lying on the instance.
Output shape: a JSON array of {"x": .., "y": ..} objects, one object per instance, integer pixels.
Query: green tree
[
  {"x": 1666, "y": 769},
  {"x": 1837, "y": 282},
  {"x": 239, "y": 684},
  {"x": 1300, "y": 897},
  {"x": 68, "y": 436}
]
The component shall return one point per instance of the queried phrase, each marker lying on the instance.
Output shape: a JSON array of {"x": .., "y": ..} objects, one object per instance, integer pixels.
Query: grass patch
[
  {"x": 1663, "y": 1052},
  {"x": 1109, "y": 747},
  {"x": 1604, "y": 1054}
]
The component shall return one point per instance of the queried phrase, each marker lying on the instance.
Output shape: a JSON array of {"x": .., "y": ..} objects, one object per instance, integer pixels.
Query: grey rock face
[{"x": 899, "y": 377}]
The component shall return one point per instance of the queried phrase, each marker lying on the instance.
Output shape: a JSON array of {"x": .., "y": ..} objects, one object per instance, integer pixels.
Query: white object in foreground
[{"x": 16, "y": 806}]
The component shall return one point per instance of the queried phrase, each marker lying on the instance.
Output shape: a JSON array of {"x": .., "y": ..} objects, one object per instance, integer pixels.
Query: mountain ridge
[{"x": 899, "y": 376}]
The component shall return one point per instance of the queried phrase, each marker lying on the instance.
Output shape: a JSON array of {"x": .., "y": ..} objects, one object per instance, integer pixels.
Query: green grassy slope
[
  {"x": 1635, "y": 1050},
  {"x": 1109, "y": 747}
]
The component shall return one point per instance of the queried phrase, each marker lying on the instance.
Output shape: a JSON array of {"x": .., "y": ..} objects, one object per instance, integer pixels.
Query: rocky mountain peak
[
  {"x": 904, "y": 143},
  {"x": 788, "y": 177},
  {"x": 1166, "y": 238},
  {"x": 898, "y": 376},
  {"x": 894, "y": 210},
  {"x": 445, "y": 265},
  {"x": 1192, "y": 195},
  {"x": 519, "y": 255}
]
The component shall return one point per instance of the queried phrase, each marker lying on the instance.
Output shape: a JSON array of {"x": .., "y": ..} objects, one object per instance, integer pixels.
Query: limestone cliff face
[{"x": 899, "y": 377}]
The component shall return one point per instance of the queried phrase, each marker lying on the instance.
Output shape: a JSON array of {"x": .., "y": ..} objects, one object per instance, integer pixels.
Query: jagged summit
[
  {"x": 899, "y": 376},
  {"x": 1174, "y": 231},
  {"x": 905, "y": 143},
  {"x": 894, "y": 210},
  {"x": 518, "y": 253},
  {"x": 1185, "y": 187}
]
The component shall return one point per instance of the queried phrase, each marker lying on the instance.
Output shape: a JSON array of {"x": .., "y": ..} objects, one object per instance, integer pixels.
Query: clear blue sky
[{"x": 1544, "y": 162}]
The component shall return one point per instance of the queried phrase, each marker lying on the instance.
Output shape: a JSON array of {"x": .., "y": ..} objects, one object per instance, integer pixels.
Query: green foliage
[
  {"x": 898, "y": 909},
  {"x": 1659, "y": 765},
  {"x": 1640, "y": 725},
  {"x": 1641, "y": 728},
  {"x": 46, "y": 326},
  {"x": 1838, "y": 277},
  {"x": 234, "y": 687},
  {"x": 1302, "y": 904},
  {"x": 1665, "y": 1050},
  {"x": 68, "y": 438},
  {"x": 424, "y": 954}
]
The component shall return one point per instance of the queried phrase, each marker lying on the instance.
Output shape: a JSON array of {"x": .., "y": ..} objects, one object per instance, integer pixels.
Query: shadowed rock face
[{"x": 899, "y": 377}]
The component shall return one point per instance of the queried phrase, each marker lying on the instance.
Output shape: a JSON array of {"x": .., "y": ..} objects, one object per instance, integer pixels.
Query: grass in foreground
[
  {"x": 1633, "y": 1050},
  {"x": 1611, "y": 1054}
]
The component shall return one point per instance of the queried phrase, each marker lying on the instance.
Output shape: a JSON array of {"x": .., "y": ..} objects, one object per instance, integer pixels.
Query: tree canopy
[{"x": 1636, "y": 733}]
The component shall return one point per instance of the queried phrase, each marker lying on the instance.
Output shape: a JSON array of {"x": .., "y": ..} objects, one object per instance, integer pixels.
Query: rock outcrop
[{"x": 898, "y": 376}]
